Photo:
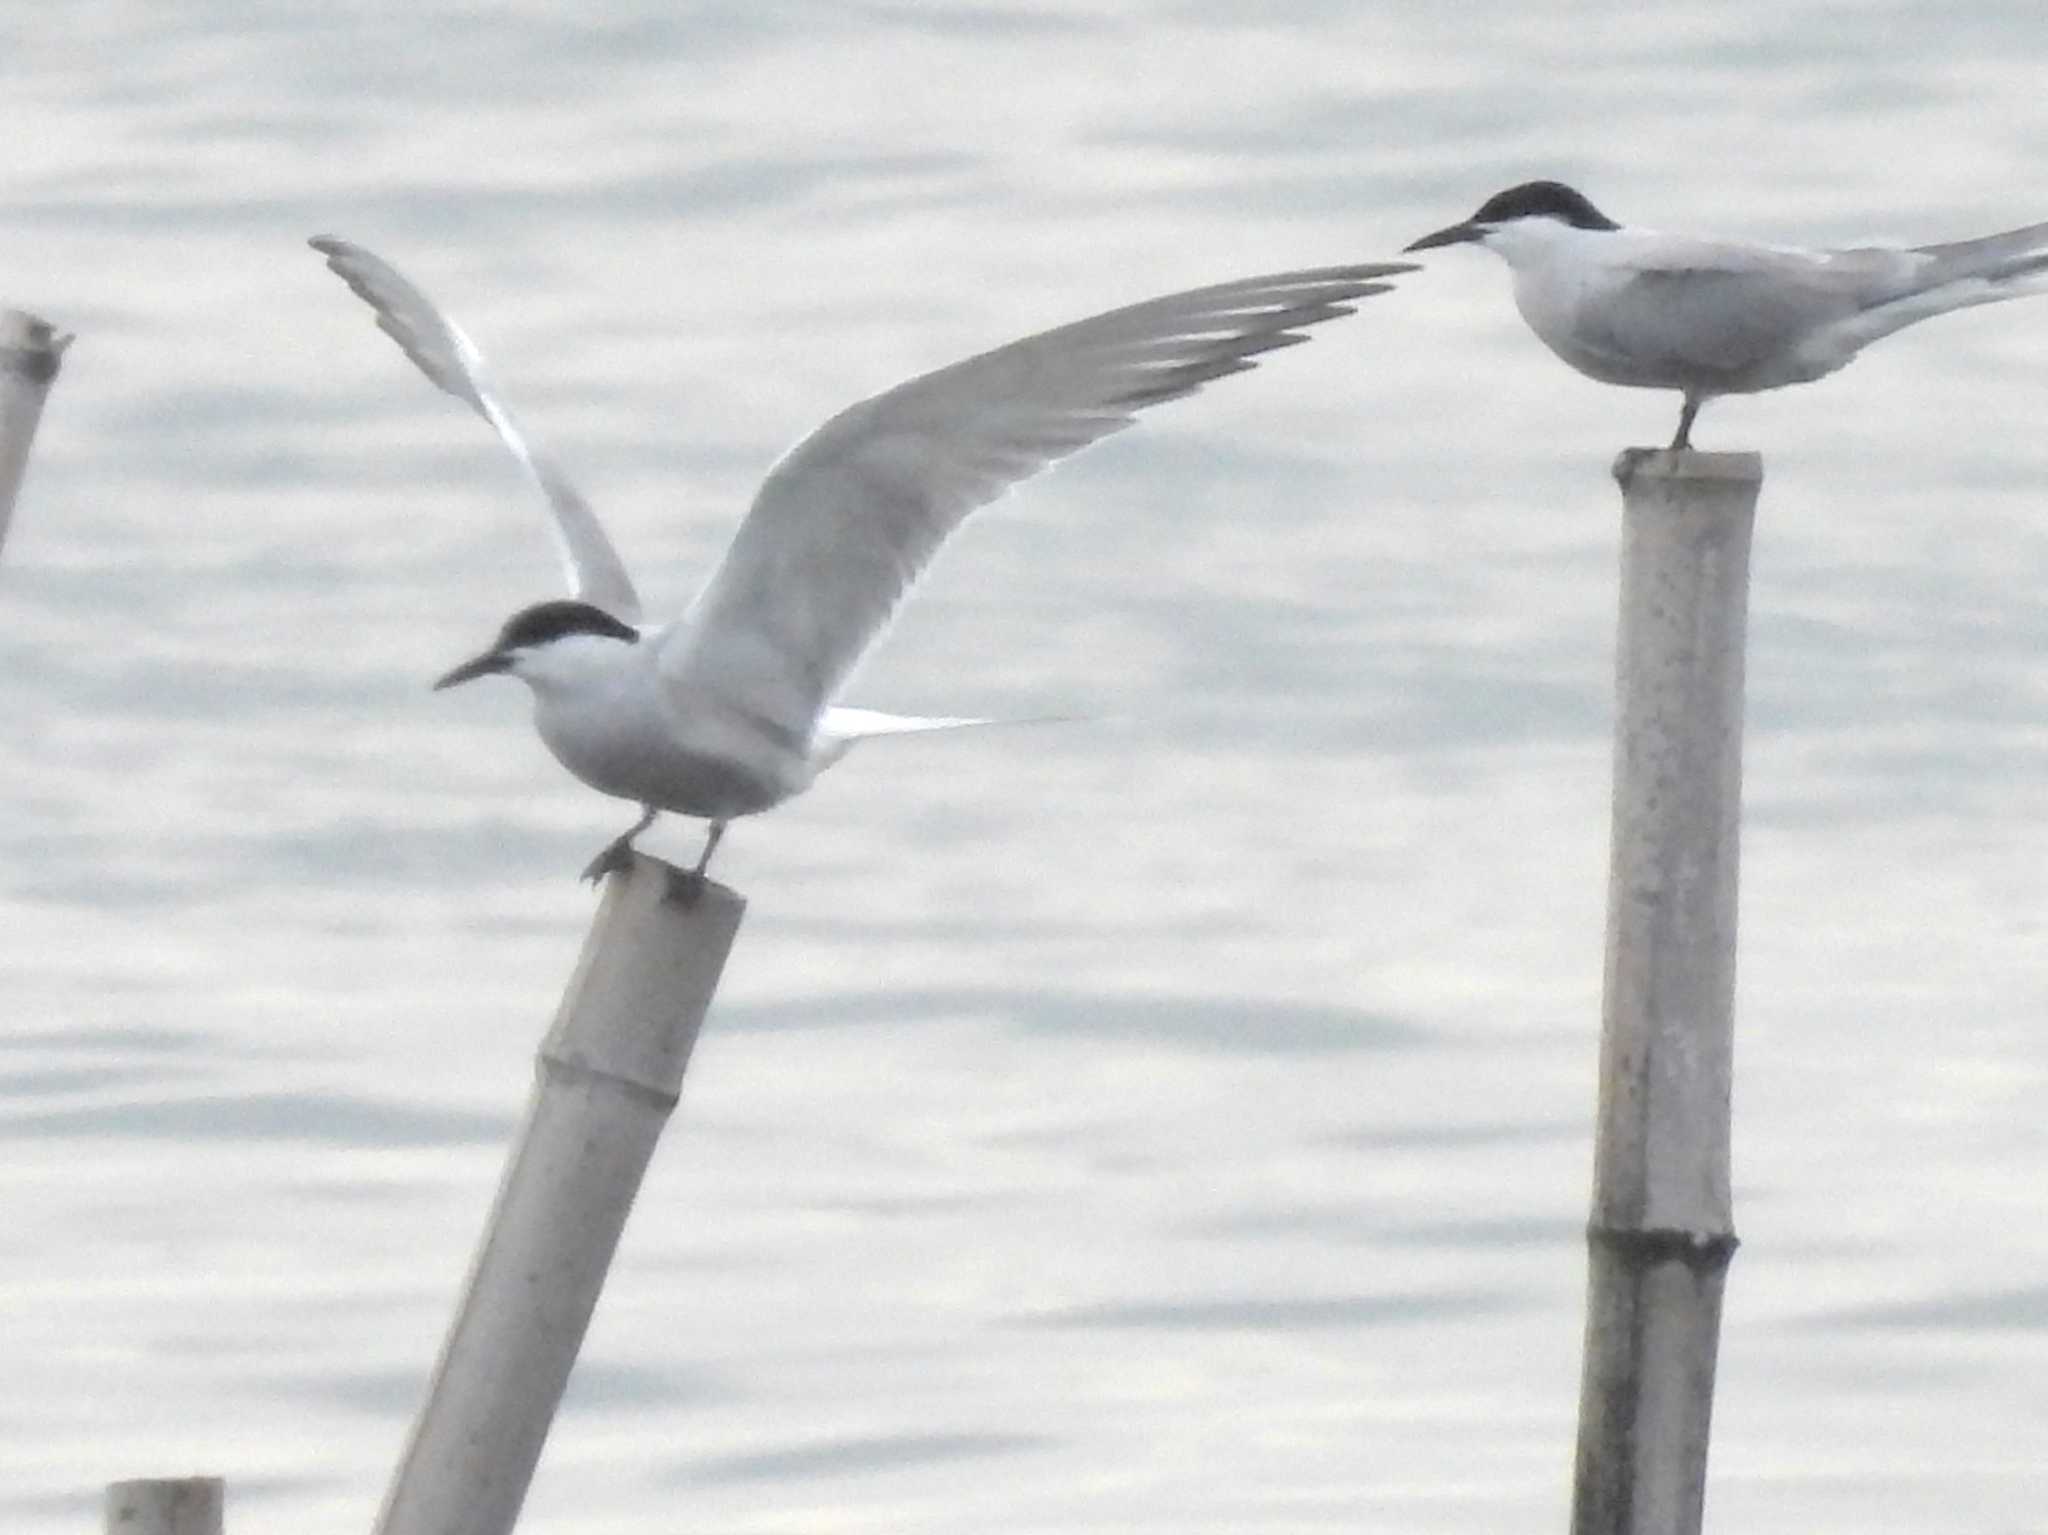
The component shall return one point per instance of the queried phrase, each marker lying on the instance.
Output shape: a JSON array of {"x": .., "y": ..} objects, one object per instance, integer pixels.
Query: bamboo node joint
[
  {"x": 658, "y": 1095},
  {"x": 1703, "y": 1252}
]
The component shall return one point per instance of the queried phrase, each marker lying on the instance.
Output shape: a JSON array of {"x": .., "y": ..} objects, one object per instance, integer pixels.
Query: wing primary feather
[
  {"x": 441, "y": 350},
  {"x": 848, "y": 518}
]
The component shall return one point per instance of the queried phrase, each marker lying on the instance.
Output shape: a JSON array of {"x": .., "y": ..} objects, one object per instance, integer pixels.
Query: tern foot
[
  {"x": 616, "y": 858},
  {"x": 617, "y": 855},
  {"x": 688, "y": 889},
  {"x": 685, "y": 886}
]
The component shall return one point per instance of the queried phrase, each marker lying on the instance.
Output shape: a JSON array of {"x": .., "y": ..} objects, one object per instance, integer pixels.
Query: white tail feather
[{"x": 839, "y": 728}]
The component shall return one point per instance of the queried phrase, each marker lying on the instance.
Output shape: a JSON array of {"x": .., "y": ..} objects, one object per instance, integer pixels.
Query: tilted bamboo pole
[
  {"x": 31, "y": 350},
  {"x": 608, "y": 1074},
  {"x": 185, "y": 1505},
  {"x": 1662, "y": 1228}
]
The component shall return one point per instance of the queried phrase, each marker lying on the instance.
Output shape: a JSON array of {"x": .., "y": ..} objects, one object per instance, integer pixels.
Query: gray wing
[
  {"x": 1712, "y": 310},
  {"x": 1717, "y": 308},
  {"x": 439, "y": 349},
  {"x": 846, "y": 520}
]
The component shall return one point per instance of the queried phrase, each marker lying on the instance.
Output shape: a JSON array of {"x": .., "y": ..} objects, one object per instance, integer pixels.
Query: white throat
[
  {"x": 1526, "y": 244},
  {"x": 577, "y": 665}
]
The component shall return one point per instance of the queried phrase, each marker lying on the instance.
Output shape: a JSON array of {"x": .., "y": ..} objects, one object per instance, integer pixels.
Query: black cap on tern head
[
  {"x": 562, "y": 616},
  {"x": 1532, "y": 199},
  {"x": 540, "y": 624}
]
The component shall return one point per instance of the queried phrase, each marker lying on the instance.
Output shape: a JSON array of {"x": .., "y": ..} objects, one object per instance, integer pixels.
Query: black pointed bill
[
  {"x": 483, "y": 666},
  {"x": 1452, "y": 234}
]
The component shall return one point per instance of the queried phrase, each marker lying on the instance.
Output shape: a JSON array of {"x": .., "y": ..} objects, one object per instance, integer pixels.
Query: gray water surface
[{"x": 1177, "y": 1122}]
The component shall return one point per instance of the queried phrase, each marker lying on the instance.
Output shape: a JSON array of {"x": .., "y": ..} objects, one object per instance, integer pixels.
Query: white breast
[{"x": 623, "y": 732}]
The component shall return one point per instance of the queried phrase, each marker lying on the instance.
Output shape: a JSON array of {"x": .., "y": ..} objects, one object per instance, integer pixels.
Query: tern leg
[
  {"x": 712, "y": 837},
  {"x": 686, "y": 888},
  {"x": 617, "y": 855},
  {"x": 1685, "y": 417}
]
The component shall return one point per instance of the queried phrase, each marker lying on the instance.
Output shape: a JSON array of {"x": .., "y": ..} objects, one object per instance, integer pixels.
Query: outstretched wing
[
  {"x": 439, "y": 349},
  {"x": 845, "y": 522}
]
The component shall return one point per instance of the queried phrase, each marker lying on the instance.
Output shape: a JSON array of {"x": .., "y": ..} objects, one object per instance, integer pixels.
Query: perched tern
[
  {"x": 729, "y": 709},
  {"x": 1709, "y": 317}
]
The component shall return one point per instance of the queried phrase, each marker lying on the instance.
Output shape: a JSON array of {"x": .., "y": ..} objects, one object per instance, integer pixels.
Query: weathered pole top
[{"x": 1687, "y": 464}]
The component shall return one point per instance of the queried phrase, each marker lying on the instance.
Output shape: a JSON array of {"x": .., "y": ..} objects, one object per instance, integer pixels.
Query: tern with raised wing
[
  {"x": 1711, "y": 317},
  {"x": 730, "y": 709}
]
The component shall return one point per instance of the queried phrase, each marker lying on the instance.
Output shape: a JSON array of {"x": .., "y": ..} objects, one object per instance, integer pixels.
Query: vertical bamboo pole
[
  {"x": 186, "y": 1505},
  {"x": 1662, "y": 1228},
  {"x": 608, "y": 1074},
  {"x": 31, "y": 350}
]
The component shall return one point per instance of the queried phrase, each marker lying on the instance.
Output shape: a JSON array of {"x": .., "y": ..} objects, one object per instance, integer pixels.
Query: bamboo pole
[
  {"x": 608, "y": 1073},
  {"x": 1662, "y": 1228},
  {"x": 184, "y": 1505},
  {"x": 31, "y": 349}
]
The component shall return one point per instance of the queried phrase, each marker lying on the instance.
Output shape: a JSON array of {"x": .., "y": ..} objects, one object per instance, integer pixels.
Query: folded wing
[
  {"x": 439, "y": 348},
  {"x": 1713, "y": 307},
  {"x": 845, "y": 522},
  {"x": 1706, "y": 310}
]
